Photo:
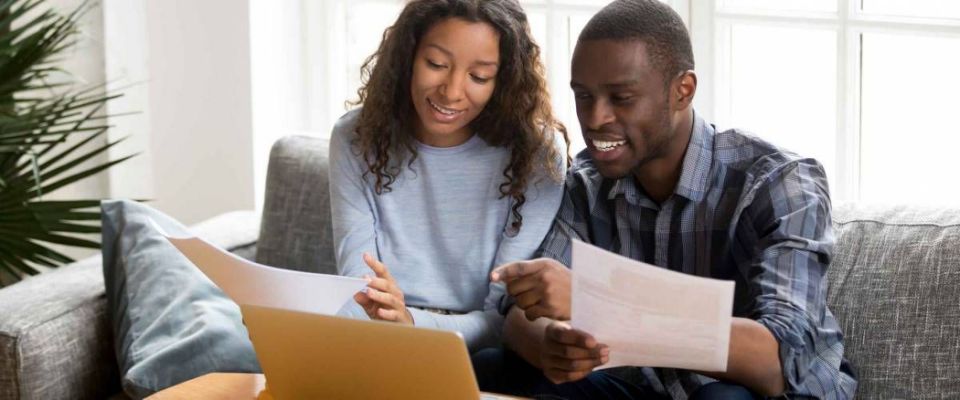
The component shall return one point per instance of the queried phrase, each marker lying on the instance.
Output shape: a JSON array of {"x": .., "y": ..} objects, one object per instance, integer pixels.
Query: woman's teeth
[
  {"x": 442, "y": 110},
  {"x": 607, "y": 146}
]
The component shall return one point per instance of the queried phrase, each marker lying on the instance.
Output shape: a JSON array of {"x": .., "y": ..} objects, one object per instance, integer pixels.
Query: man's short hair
[{"x": 651, "y": 21}]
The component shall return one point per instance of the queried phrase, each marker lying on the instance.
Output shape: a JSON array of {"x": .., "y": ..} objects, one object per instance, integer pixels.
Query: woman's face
[{"x": 454, "y": 75}]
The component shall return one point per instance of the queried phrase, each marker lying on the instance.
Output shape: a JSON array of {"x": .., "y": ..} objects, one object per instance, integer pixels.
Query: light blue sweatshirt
[{"x": 441, "y": 229}]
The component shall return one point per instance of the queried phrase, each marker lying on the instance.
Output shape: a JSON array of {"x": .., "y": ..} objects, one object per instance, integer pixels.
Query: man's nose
[{"x": 599, "y": 114}]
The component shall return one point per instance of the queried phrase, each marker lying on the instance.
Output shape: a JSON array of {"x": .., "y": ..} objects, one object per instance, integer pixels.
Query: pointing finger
[
  {"x": 378, "y": 267},
  {"x": 514, "y": 270}
]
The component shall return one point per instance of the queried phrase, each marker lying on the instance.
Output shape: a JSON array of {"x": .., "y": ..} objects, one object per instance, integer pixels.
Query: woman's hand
[{"x": 382, "y": 299}]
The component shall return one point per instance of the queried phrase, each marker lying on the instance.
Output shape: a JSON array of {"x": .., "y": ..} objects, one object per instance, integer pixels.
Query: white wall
[
  {"x": 190, "y": 64},
  {"x": 84, "y": 63},
  {"x": 279, "y": 78}
]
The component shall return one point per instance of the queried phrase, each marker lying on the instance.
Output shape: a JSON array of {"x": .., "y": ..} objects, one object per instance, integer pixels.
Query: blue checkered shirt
[{"x": 743, "y": 210}]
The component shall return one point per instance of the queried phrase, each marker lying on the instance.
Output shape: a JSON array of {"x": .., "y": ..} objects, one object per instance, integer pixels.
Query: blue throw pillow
[{"x": 170, "y": 322}]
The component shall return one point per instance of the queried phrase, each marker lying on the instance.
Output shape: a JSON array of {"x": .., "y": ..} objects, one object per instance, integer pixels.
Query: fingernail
[{"x": 495, "y": 277}]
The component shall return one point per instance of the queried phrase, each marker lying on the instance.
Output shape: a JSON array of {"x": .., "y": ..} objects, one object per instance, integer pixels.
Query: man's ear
[{"x": 684, "y": 88}]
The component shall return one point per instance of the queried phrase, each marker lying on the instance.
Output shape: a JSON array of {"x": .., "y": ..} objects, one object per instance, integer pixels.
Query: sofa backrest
[
  {"x": 895, "y": 289},
  {"x": 295, "y": 231},
  {"x": 894, "y": 279}
]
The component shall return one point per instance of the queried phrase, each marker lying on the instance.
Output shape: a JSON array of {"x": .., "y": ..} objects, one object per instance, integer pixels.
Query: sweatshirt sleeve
[
  {"x": 479, "y": 328},
  {"x": 353, "y": 216}
]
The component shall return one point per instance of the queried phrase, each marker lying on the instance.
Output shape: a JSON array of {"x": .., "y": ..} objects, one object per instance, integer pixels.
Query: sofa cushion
[
  {"x": 296, "y": 230},
  {"x": 170, "y": 322},
  {"x": 895, "y": 288}
]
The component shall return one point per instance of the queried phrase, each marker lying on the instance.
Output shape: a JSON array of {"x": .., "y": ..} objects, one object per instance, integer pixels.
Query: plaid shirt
[{"x": 743, "y": 210}]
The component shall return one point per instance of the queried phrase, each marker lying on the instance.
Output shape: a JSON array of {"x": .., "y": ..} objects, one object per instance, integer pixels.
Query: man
[{"x": 660, "y": 185}]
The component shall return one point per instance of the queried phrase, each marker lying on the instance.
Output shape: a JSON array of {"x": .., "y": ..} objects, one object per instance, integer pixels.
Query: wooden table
[
  {"x": 218, "y": 386},
  {"x": 225, "y": 386}
]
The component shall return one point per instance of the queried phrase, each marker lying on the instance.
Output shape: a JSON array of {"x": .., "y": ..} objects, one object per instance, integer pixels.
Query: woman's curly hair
[{"x": 518, "y": 115}]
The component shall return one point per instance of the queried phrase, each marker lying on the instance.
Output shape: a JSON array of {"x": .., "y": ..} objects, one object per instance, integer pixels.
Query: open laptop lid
[{"x": 311, "y": 356}]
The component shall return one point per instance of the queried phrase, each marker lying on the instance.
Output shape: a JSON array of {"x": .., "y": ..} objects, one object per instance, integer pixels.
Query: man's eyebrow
[
  {"x": 622, "y": 84},
  {"x": 613, "y": 85},
  {"x": 483, "y": 63}
]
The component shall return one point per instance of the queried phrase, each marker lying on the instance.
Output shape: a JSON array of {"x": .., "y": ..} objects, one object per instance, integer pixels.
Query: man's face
[{"x": 622, "y": 104}]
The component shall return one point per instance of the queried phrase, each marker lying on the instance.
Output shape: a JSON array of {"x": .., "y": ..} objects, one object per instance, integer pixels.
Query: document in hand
[
  {"x": 250, "y": 283},
  {"x": 650, "y": 316}
]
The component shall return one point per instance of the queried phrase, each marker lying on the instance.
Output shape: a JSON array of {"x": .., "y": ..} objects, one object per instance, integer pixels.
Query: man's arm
[
  {"x": 753, "y": 359},
  {"x": 788, "y": 228},
  {"x": 525, "y": 337},
  {"x": 524, "y": 330},
  {"x": 563, "y": 354}
]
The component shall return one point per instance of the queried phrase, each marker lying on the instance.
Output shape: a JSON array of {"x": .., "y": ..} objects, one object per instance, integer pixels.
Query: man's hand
[
  {"x": 382, "y": 299},
  {"x": 541, "y": 287},
  {"x": 570, "y": 354}
]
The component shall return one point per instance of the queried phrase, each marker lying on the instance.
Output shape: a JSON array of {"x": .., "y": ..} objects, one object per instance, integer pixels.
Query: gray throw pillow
[{"x": 170, "y": 322}]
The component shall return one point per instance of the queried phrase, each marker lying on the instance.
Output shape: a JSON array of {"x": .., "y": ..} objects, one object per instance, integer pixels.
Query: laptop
[{"x": 312, "y": 356}]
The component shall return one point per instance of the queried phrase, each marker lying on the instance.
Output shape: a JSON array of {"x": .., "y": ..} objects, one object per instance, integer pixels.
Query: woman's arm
[
  {"x": 352, "y": 214},
  {"x": 480, "y": 328}
]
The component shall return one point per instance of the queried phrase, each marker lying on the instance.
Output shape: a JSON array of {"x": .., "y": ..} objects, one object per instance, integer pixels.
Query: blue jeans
[{"x": 503, "y": 371}]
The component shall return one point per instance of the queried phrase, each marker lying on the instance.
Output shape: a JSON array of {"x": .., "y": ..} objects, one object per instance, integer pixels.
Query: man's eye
[{"x": 621, "y": 98}]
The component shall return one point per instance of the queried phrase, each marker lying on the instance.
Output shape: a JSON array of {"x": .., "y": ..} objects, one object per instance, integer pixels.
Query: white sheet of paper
[
  {"x": 254, "y": 284},
  {"x": 650, "y": 316}
]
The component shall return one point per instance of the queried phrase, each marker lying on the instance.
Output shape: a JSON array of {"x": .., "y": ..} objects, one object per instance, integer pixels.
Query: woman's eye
[
  {"x": 434, "y": 65},
  {"x": 479, "y": 79}
]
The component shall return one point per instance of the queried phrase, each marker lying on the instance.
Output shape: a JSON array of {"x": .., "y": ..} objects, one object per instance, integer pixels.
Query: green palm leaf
[{"x": 39, "y": 119}]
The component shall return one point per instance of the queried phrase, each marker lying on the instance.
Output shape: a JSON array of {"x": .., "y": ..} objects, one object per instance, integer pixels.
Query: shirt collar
[
  {"x": 694, "y": 174},
  {"x": 625, "y": 186}
]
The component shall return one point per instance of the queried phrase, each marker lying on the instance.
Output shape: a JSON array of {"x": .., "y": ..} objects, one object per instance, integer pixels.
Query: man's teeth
[
  {"x": 607, "y": 146},
  {"x": 444, "y": 111}
]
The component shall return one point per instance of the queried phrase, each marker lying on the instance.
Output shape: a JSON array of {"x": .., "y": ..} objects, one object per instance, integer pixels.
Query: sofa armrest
[{"x": 55, "y": 339}]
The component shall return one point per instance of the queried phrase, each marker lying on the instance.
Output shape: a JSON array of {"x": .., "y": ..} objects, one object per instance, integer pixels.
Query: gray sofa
[{"x": 895, "y": 287}]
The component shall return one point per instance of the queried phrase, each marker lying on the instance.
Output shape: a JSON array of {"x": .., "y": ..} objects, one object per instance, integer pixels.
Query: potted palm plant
[{"x": 52, "y": 134}]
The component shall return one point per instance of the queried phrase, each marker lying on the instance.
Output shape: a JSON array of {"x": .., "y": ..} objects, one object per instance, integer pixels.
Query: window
[{"x": 864, "y": 86}]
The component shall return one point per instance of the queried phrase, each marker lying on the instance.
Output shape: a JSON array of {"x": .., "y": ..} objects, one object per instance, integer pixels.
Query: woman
[{"x": 452, "y": 166}]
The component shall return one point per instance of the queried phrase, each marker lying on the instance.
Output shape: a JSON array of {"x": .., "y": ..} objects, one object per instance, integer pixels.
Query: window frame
[{"x": 709, "y": 24}]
